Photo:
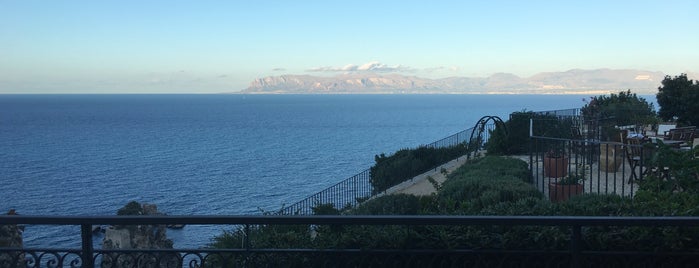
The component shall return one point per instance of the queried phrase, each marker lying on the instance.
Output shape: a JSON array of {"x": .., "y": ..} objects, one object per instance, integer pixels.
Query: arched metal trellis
[{"x": 479, "y": 131}]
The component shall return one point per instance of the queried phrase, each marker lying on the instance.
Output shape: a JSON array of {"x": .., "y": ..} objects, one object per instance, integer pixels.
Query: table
[{"x": 671, "y": 143}]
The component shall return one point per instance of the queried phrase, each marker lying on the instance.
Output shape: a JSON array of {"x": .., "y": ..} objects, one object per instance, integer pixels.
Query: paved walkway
[
  {"x": 420, "y": 185},
  {"x": 596, "y": 180}
]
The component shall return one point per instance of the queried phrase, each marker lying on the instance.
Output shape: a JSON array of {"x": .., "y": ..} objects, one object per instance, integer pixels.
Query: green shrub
[
  {"x": 492, "y": 186},
  {"x": 325, "y": 209},
  {"x": 265, "y": 236},
  {"x": 486, "y": 182},
  {"x": 398, "y": 204},
  {"x": 678, "y": 196},
  {"x": 475, "y": 194},
  {"x": 516, "y": 139},
  {"x": 595, "y": 205}
]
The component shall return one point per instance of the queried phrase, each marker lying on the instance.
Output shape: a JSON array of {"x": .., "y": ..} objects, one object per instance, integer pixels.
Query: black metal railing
[
  {"x": 347, "y": 193},
  {"x": 351, "y": 191},
  {"x": 561, "y": 113},
  {"x": 576, "y": 253},
  {"x": 452, "y": 140},
  {"x": 602, "y": 167}
]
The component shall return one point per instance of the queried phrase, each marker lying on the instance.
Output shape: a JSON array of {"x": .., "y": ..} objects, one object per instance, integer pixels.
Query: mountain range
[{"x": 576, "y": 81}]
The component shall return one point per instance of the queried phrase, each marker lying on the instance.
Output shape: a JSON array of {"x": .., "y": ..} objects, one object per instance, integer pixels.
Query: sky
[{"x": 221, "y": 46}]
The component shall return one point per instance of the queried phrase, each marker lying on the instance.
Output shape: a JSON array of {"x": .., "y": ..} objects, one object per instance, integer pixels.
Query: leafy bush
[
  {"x": 325, "y": 209},
  {"x": 266, "y": 236},
  {"x": 408, "y": 163},
  {"x": 398, "y": 204},
  {"x": 492, "y": 166},
  {"x": 494, "y": 186},
  {"x": 486, "y": 182},
  {"x": 596, "y": 205}
]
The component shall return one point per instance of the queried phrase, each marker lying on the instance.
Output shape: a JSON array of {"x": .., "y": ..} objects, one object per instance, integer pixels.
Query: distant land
[{"x": 576, "y": 81}]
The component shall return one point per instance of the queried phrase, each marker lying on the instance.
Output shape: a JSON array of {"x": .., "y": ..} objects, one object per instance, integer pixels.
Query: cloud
[
  {"x": 279, "y": 69},
  {"x": 373, "y": 66},
  {"x": 434, "y": 69},
  {"x": 442, "y": 68}
]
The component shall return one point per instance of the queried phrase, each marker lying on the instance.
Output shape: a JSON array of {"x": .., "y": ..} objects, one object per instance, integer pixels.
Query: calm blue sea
[{"x": 210, "y": 154}]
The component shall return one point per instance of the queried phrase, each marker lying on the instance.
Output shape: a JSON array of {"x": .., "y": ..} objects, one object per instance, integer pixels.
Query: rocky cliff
[
  {"x": 11, "y": 237},
  {"x": 572, "y": 81},
  {"x": 138, "y": 237}
]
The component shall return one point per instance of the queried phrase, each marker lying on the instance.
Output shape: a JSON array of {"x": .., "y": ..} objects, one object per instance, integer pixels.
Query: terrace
[
  {"x": 614, "y": 164},
  {"x": 570, "y": 235}
]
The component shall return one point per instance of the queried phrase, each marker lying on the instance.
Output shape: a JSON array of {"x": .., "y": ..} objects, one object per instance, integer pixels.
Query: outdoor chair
[
  {"x": 634, "y": 154},
  {"x": 639, "y": 156}
]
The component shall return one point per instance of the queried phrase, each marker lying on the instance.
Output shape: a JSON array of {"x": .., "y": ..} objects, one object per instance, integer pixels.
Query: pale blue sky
[{"x": 221, "y": 46}]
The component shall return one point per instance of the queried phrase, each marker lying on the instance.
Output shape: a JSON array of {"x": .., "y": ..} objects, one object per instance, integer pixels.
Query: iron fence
[
  {"x": 561, "y": 113},
  {"x": 458, "y": 138},
  {"x": 576, "y": 253},
  {"x": 351, "y": 191},
  {"x": 601, "y": 167},
  {"x": 614, "y": 166},
  {"x": 347, "y": 193}
]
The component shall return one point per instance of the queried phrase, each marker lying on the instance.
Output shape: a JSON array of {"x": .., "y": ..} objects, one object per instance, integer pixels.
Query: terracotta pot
[
  {"x": 555, "y": 167},
  {"x": 562, "y": 192}
]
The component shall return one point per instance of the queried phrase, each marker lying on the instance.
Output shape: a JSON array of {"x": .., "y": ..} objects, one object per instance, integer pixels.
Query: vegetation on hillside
[
  {"x": 408, "y": 163},
  {"x": 494, "y": 186}
]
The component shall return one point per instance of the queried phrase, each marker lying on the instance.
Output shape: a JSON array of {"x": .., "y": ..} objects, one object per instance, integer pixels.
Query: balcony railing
[{"x": 575, "y": 254}]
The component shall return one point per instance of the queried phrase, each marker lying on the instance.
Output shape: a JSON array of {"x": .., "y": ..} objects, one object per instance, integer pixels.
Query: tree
[
  {"x": 678, "y": 99},
  {"x": 621, "y": 109}
]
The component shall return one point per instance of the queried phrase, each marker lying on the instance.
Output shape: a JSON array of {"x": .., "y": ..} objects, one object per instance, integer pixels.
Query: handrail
[
  {"x": 356, "y": 220},
  {"x": 249, "y": 255}
]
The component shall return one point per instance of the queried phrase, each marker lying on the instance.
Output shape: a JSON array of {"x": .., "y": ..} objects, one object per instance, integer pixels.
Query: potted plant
[
  {"x": 555, "y": 164},
  {"x": 563, "y": 189}
]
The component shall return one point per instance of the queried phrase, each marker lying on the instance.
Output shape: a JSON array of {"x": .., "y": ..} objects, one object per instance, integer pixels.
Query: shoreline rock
[{"x": 138, "y": 237}]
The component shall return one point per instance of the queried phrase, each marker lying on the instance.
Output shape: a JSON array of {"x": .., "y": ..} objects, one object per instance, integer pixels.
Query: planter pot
[
  {"x": 610, "y": 157},
  {"x": 561, "y": 192},
  {"x": 555, "y": 167}
]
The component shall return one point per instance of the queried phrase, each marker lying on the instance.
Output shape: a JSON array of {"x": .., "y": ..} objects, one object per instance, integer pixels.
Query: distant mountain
[{"x": 598, "y": 81}]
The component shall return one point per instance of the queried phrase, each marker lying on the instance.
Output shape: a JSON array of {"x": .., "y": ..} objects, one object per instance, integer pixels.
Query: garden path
[{"x": 420, "y": 185}]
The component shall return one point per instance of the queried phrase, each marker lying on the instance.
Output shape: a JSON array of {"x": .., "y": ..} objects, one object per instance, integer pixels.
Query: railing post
[
  {"x": 87, "y": 251},
  {"x": 247, "y": 237},
  {"x": 575, "y": 246},
  {"x": 246, "y": 262}
]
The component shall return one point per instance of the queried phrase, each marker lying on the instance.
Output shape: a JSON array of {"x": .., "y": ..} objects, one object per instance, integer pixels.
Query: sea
[{"x": 210, "y": 154}]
